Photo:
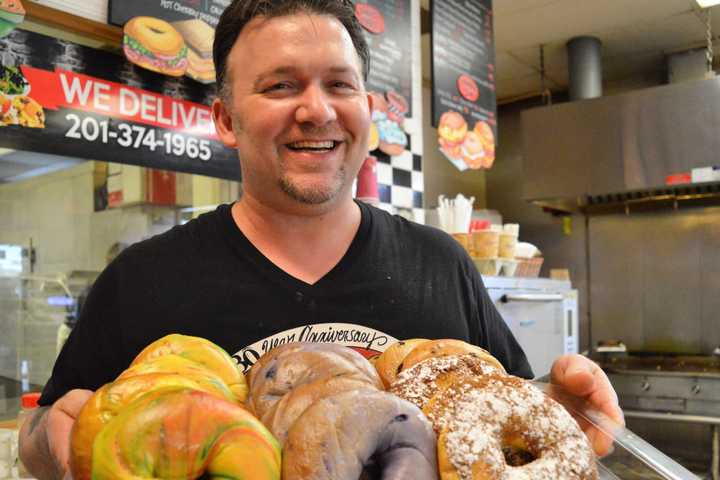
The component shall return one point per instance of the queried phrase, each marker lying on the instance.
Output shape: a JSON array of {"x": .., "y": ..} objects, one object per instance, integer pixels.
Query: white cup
[{"x": 8, "y": 454}]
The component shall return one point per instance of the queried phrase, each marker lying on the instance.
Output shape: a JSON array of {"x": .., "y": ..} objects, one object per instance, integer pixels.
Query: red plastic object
[
  {"x": 478, "y": 225},
  {"x": 367, "y": 185},
  {"x": 29, "y": 400},
  {"x": 678, "y": 179}
]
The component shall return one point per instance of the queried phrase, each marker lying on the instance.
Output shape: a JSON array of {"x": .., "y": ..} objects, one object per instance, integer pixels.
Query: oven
[
  {"x": 669, "y": 390},
  {"x": 541, "y": 313}
]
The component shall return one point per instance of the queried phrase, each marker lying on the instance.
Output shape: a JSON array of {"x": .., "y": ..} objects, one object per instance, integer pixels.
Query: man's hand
[
  {"x": 583, "y": 378},
  {"x": 45, "y": 437}
]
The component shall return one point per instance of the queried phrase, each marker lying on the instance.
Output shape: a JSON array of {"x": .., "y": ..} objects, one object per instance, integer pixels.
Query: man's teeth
[{"x": 313, "y": 145}]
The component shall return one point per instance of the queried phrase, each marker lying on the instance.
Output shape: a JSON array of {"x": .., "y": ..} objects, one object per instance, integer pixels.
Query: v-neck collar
[{"x": 243, "y": 247}]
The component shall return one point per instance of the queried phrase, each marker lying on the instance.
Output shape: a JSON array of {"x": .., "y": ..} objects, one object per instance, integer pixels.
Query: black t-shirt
[{"x": 398, "y": 280}]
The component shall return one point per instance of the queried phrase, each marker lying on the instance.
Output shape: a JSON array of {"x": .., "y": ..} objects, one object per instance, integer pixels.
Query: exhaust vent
[{"x": 585, "y": 65}]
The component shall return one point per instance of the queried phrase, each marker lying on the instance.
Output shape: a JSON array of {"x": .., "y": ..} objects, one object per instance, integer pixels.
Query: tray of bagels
[{"x": 421, "y": 410}]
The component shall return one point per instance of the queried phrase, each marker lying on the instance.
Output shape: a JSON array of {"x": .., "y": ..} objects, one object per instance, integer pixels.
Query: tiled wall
[{"x": 400, "y": 178}]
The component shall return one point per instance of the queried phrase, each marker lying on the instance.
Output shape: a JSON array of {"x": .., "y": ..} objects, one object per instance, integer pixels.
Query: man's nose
[{"x": 315, "y": 107}]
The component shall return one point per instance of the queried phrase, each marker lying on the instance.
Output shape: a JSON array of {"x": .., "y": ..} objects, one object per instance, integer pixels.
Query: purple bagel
[{"x": 361, "y": 434}]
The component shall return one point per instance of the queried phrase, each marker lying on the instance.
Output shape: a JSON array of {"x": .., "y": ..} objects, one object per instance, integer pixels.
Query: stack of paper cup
[
  {"x": 508, "y": 240},
  {"x": 486, "y": 243}
]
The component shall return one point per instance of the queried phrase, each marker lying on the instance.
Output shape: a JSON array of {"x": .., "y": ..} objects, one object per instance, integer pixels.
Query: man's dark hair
[{"x": 241, "y": 12}]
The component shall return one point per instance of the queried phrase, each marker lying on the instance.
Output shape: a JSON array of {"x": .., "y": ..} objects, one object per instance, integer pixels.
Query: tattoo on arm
[{"x": 37, "y": 418}]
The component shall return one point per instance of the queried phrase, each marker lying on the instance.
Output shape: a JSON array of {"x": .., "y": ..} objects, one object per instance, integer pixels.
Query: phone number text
[{"x": 137, "y": 136}]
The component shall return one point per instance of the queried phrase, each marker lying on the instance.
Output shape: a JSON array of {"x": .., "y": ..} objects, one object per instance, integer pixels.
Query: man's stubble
[{"x": 309, "y": 195}]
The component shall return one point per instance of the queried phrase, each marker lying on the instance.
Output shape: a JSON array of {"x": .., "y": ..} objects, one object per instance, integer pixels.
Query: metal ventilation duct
[{"x": 585, "y": 65}]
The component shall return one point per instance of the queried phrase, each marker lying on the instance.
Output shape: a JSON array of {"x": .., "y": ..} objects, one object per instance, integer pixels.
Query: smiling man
[
  {"x": 296, "y": 258},
  {"x": 294, "y": 105}
]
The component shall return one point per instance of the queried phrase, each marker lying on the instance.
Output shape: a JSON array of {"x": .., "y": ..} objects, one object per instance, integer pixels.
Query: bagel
[
  {"x": 173, "y": 375},
  {"x": 293, "y": 365},
  {"x": 452, "y": 129},
  {"x": 156, "y": 45},
  {"x": 490, "y": 425},
  {"x": 110, "y": 400},
  {"x": 388, "y": 363},
  {"x": 360, "y": 434},
  {"x": 446, "y": 347},
  {"x": 185, "y": 433},
  {"x": 200, "y": 351},
  {"x": 499, "y": 426},
  {"x": 419, "y": 383},
  {"x": 487, "y": 137},
  {"x": 473, "y": 152},
  {"x": 283, "y": 414}
]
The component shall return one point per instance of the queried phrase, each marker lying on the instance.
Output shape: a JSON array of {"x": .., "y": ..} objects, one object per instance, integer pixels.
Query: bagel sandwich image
[
  {"x": 452, "y": 130},
  {"x": 487, "y": 139},
  {"x": 473, "y": 152},
  {"x": 155, "y": 45}
]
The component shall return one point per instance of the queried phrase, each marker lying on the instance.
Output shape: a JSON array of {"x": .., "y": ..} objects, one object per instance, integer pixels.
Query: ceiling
[
  {"x": 18, "y": 165},
  {"x": 636, "y": 36}
]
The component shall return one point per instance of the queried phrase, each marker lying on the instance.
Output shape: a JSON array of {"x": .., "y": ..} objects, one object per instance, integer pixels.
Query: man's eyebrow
[
  {"x": 289, "y": 69},
  {"x": 283, "y": 70}
]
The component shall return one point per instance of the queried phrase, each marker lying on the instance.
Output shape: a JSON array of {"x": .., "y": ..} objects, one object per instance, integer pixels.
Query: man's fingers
[
  {"x": 60, "y": 420},
  {"x": 72, "y": 402},
  {"x": 583, "y": 378},
  {"x": 601, "y": 442},
  {"x": 575, "y": 373}
]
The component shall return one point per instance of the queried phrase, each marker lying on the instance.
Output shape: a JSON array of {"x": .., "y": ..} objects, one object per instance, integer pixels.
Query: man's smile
[{"x": 314, "y": 146}]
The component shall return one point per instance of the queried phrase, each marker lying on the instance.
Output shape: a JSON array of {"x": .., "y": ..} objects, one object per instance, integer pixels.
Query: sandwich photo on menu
[
  {"x": 199, "y": 37},
  {"x": 154, "y": 44}
]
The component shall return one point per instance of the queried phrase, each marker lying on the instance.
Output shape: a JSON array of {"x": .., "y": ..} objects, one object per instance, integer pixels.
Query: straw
[{"x": 455, "y": 214}]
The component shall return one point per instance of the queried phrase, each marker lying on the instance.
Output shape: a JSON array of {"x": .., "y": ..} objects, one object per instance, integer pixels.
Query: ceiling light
[{"x": 707, "y": 3}]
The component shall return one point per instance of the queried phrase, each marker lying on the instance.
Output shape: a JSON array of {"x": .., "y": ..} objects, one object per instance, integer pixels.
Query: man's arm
[{"x": 45, "y": 436}]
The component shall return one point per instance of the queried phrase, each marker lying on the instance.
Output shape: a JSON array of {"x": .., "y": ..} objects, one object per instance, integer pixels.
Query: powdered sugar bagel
[
  {"x": 501, "y": 427},
  {"x": 419, "y": 383}
]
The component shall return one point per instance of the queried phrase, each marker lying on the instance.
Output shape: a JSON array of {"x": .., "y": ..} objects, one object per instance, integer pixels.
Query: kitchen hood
[{"x": 616, "y": 151}]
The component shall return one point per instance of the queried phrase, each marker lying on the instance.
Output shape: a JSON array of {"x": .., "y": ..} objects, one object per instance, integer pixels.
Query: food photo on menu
[
  {"x": 17, "y": 107},
  {"x": 388, "y": 116},
  {"x": 156, "y": 45},
  {"x": 466, "y": 148}
]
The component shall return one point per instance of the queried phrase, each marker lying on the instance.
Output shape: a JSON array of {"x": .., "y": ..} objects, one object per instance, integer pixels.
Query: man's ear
[
  {"x": 371, "y": 102},
  {"x": 223, "y": 123}
]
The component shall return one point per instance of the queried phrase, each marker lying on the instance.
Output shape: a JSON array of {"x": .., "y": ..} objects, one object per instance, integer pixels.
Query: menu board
[
  {"x": 172, "y": 37},
  {"x": 65, "y": 99},
  {"x": 387, "y": 26},
  {"x": 208, "y": 11},
  {"x": 463, "y": 78}
]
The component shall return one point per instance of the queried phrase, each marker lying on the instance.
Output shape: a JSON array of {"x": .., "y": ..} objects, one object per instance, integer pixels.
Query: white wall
[{"x": 56, "y": 212}]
